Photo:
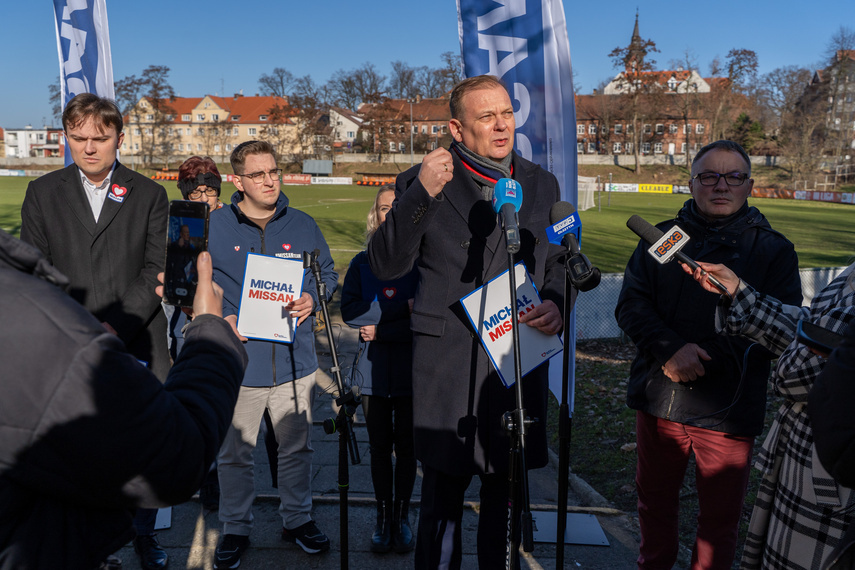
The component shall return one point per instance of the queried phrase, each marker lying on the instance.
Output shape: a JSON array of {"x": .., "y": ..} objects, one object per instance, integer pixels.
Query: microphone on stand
[
  {"x": 565, "y": 220},
  {"x": 507, "y": 199}
]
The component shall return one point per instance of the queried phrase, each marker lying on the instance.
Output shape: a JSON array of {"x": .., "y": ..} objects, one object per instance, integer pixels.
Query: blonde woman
[{"x": 383, "y": 369}]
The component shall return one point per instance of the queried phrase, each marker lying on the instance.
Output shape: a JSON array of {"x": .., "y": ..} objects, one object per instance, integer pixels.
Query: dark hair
[
  {"x": 455, "y": 103},
  {"x": 196, "y": 171},
  {"x": 103, "y": 111},
  {"x": 247, "y": 148},
  {"x": 729, "y": 146}
]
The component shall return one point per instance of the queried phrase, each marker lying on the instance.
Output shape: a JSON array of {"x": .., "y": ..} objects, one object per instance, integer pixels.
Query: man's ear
[
  {"x": 456, "y": 128},
  {"x": 238, "y": 183}
]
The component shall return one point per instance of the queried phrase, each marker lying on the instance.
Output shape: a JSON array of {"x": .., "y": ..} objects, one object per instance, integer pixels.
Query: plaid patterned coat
[{"x": 800, "y": 513}]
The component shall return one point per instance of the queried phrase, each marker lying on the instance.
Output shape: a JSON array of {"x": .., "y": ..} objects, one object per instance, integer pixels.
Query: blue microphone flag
[{"x": 507, "y": 191}]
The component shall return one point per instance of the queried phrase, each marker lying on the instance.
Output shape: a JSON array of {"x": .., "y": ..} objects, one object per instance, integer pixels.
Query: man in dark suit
[
  {"x": 104, "y": 226},
  {"x": 444, "y": 223}
]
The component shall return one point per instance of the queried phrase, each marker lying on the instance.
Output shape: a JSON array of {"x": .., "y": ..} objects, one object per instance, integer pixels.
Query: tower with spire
[{"x": 637, "y": 52}]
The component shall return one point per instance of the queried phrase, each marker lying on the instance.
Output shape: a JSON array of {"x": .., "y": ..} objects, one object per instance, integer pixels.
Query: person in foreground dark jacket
[
  {"x": 87, "y": 433},
  {"x": 830, "y": 407}
]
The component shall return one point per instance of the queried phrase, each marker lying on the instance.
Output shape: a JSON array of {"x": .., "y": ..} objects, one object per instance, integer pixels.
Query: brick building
[
  {"x": 390, "y": 124},
  {"x": 673, "y": 110}
]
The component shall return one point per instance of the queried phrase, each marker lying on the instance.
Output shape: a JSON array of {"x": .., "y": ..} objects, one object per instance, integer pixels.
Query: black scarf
[{"x": 483, "y": 171}]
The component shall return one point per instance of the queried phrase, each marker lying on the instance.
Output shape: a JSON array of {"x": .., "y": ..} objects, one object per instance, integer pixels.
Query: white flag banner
[
  {"x": 524, "y": 42},
  {"x": 83, "y": 44}
]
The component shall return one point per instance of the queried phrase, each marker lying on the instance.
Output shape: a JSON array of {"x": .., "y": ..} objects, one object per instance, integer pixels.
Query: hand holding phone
[
  {"x": 186, "y": 238},
  {"x": 821, "y": 339}
]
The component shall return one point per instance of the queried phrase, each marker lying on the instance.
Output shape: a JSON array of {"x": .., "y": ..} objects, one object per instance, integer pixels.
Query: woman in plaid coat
[{"x": 801, "y": 513}]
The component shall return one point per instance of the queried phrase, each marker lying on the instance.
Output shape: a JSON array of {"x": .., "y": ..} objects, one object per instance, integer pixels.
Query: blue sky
[{"x": 212, "y": 48}]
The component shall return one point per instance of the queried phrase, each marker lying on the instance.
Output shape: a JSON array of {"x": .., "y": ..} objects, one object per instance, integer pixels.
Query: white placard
[
  {"x": 269, "y": 284},
  {"x": 490, "y": 314}
]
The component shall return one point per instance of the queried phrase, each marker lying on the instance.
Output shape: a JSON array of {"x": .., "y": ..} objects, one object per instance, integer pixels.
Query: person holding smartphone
[
  {"x": 801, "y": 513},
  {"x": 89, "y": 433},
  {"x": 199, "y": 180}
]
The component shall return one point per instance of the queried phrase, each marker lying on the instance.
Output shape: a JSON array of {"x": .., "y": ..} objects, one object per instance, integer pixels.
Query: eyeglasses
[
  {"x": 258, "y": 177},
  {"x": 731, "y": 178},
  {"x": 196, "y": 194}
]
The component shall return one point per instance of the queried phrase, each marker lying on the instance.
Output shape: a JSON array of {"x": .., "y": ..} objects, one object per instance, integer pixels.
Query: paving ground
[{"x": 193, "y": 536}]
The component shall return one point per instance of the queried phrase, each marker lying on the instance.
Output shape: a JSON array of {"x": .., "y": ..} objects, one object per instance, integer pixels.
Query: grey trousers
[{"x": 290, "y": 407}]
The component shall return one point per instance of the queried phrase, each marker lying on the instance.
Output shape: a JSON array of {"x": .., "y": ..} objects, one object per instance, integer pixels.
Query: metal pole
[
  {"x": 610, "y": 189},
  {"x": 599, "y": 195}
]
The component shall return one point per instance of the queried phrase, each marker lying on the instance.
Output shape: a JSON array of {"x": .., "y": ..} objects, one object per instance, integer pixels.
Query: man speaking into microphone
[
  {"x": 696, "y": 391},
  {"x": 443, "y": 221}
]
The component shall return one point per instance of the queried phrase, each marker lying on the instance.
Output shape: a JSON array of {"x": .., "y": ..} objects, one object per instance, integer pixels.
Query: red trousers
[{"x": 723, "y": 462}]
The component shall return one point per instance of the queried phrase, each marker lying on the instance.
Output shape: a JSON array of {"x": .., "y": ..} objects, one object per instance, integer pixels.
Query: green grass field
[{"x": 824, "y": 234}]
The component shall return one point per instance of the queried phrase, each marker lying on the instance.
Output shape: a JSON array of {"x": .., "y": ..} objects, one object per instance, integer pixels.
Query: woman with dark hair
[
  {"x": 199, "y": 181},
  {"x": 383, "y": 369}
]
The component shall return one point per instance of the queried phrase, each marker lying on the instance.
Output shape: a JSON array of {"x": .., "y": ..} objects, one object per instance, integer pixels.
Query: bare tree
[
  {"x": 309, "y": 104},
  {"x": 278, "y": 83},
  {"x": 451, "y": 72},
  {"x": 402, "y": 82},
  {"x": 741, "y": 68},
  {"x": 802, "y": 134},
  {"x": 350, "y": 89},
  {"x": 154, "y": 116},
  {"x": 429, "y": 82},
  {"x": 688, "y": 101},
  {"x": 779, "y": 92},
  {"x": 128, "y": 92},
  {"x": 636, "y": 84},
  {"x": 280, "y": 130},
  {"x": 379, "y": 127}
]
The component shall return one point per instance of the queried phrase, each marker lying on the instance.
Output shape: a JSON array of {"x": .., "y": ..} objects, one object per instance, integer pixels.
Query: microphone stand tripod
[
  {"x": 565, "y": 424},
  {"x": 581, "y": 275},
  {"x": 348, "y": 400},
  {"x": 515, "y": 424}
]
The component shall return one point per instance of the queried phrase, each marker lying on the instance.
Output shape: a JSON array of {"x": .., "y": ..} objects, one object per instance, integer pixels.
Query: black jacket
[
  {"x": 661, "y": 308},
  {"x": 830, "y": 406},
  {"x": 87, "y": 434},
  {"x": 113, "y": 263},
  {"x": 457, "y": 246}
]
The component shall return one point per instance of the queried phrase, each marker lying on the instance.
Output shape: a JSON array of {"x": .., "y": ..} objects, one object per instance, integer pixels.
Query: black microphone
[
  {"x": 582, "y": 274},
  {"x": 507, "y": 199},
  {"x": 664, "y": 247}
]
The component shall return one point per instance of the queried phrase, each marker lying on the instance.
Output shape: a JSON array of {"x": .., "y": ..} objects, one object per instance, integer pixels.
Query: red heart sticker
[
  {"x": 286, "y": 246},
  {"x": 390, "y": 292},
  {"x": 119, "y": 190},
  {"x": 237, "y": 248}
]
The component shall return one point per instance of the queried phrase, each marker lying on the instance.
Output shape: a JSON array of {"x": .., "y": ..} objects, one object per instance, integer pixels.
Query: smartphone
[
  {"x": 186, "y": 237},
  {"x": 817, "y": 337}
]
